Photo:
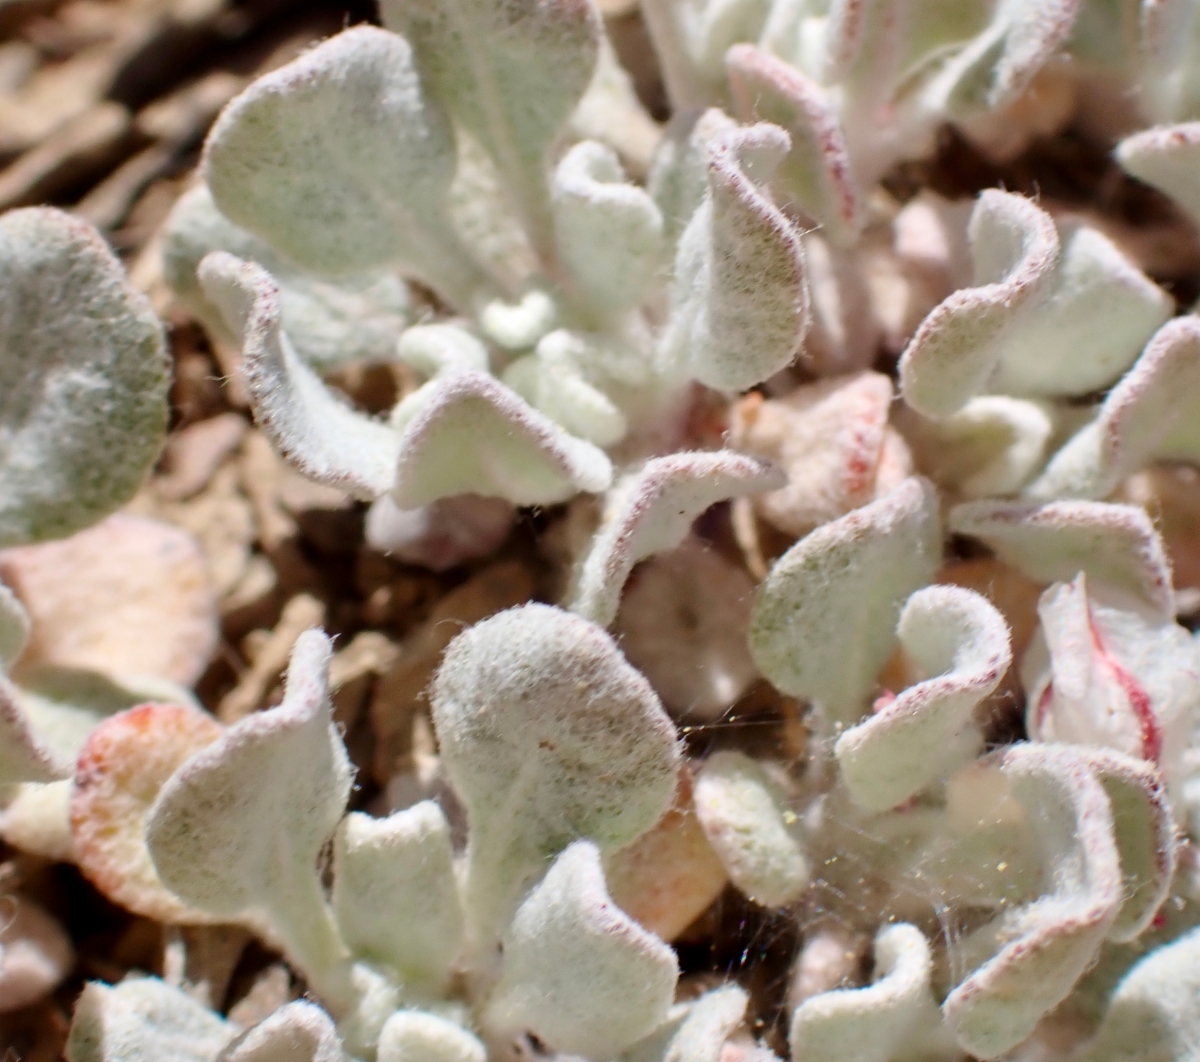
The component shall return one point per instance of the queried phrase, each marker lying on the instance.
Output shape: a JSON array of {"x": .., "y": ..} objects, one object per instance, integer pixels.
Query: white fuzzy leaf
[
  {"x": 1166, "y": 157},
  {"x": 511, "y": 74},
  {"x": 678, "y": 178},
  {"x": 817, "y": 175},
  {"x": 359, "y": 317},
  {"x": 25, "y": 756},
  {"x": 875, "y": 1023},
  {"x": 1089, "y": 326},
  {"x": 415, "y": 1036},
  {"x": 1111, "y": 677},
  {"x": 395, "y": 894},
  {"x": 652, "y": 511},
  {"x": 238, "y": 828},
  {"x": 441, "y": 535},
  {"x": 745, "y": 814},
  {"x": 1014, "y": 246},
  {"x": 84, "y": 372},
  {"x": 541, "y": 723},
  {"x": 578, "y": 972},
  {"x": 739, "y": 302},
  {"x": 1153, "y": 1016},
  {"x": 35, "y": 954},
  {"x": 296, "y": 1032},
  {"x": 313, "y": 429},
  {"x": 696, "y": 1031},
  {"x": 825, "y": 617},
  {"x": 143, "y": 1020},
  {"x": 1027, "y": 960},
  {"x": 343, "y": 163},
  {"x": 609, "y": 232},
  {"x": 466, "y": 433},
  {"x": 14, "y": 627},
  {"x": 442, "y": 347},
  {"x": 1116, "y": 545},
  {"x": 1150, "y": 414},
  {"x": 959, "y": 638}
]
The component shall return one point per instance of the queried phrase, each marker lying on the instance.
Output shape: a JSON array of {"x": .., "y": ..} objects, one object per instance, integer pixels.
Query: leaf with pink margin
[
  {"x": 1027, "y": 960},
  {"x": 313, "y": 429},
  {"x": 1111, "y": 677},
  {"x": 960, "y": 638},
  {"x": 739, "y": 305},
  {"x": 877, "y": 1023},
  {"x": 1149, "y": 415},
  {"x": 342, "y": 162},
  {"x": 1146, "y": 836},
  {"x": 1116, "y": 545},
  {"x": 296, "y": 1032},
  {"x": 547, "y": 735},
  {"x": 745, "y": 814},
  {"x": 510, "y": 74},
  {"x": 817, "y": 175},
  {"x": 1166, "y": 157},
  {"x": 578, "y": 972},
  {"x": 836, "y": 595},
  {"x": 467, "y": 433},
  {"x": 652, "y": 511},
  {"x": 1014, "y": 247},
  {"x": 237, "y": 829}
]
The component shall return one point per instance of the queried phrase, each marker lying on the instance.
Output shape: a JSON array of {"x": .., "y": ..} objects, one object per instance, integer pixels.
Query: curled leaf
[
  {"x": 415, "y": 1036},
  {"x": 86, "y": 408},
  {"x": 123, "y": 765},
  {"x": 237, "y": 829},
  {"x": 394, "y": 891},
  {"x": 958, "y": 637},
  {"x": 342, "y": 163},
  {"x": 745, "y": 814},
  {"x": 817, "y": 174},
  {"x": 296, "y": 1032},
  {"x": 651, "y": 511},
  {"x": 578, "y": 972},
  {"x": 609, "y": 232},
  {"x": 1166, "y": 157},
  {"x": 872, "y": 1024},
  {"x": 835, "y": 596},
  {"x": 1027, "y": 960},
  {"x": 1116, "y": 545},
  {"x": 143, "y": 1020},
  {"x": 1014, "y": 247},
  {"x": 540, "y": 722},
  {"x": 739, "y": 303}
]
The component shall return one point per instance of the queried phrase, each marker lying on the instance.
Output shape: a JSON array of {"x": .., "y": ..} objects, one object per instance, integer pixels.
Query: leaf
[
  {"x": 1150, "y": 414},
  {"x": 1111, "y": 677},
  {"x": 415, "y": 1036},
  {"x": 442, "y": 347},
  {"x": 342, "y": 163},
  {"x": 143, "y": 1020},
  {"x": 1116, "y": 545},
  {"x": 313, "y": 430},
  {"x": 678, "y": 178},
  {"x": 35, "y": 954},
  {"x": 296, "y": 1032},
  {"x": 1166, "y": 158},
  {"x": 441, "y": 535},
  {"x": 739, "y": 305},
  {"x": 1027, "y": 960},
  {"x": 818, "y": 173},
  {"x": 745, "y": 813},
  {"x": 875, "y": 1023},
  {"x": 469, "y": 434},
  {"x": 25, "y": 756},
  {"x": 836, "y": 596},
  {"x": 578, "y": 973},
  {"x": 609, "y": 233},
  {"x": 699, "y": 1033},
  {"x": 85, "y": 412},
  {"x": 121, "y": 769},
  {"x": 1153, "y": 1015},
  {"x": 1014, "y": 247},
  {"x": 959, "y": 638},
  {"x": 14, "y": 627},
  {"x": 510, "y": 74},
  {"x": 328, "y": 323},
  {"x": 547, "y": 735},
  {"x": 652, "y": 511},
  {"x": 237, "y": 829},
  {"x": 395, "y": 895}
]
